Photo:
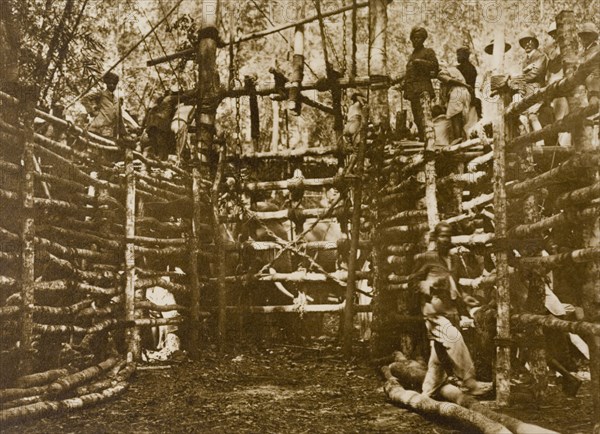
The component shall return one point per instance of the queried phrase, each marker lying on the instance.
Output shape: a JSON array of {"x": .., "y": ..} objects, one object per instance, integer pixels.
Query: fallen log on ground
[
  {"x": 412, "y": 373},
  {"x": 423, "y": 404}
]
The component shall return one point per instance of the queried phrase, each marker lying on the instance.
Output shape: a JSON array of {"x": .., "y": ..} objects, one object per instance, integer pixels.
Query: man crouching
[{"x": 440, "y": 299}]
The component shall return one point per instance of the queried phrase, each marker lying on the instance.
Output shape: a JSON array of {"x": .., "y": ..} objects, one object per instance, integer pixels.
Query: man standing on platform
[
  {"x": 440, "y": 299},
  {"x": 469, "y": 72},
  {"x": 422, "y": 66},
  {"x": 104, "y": 107}
]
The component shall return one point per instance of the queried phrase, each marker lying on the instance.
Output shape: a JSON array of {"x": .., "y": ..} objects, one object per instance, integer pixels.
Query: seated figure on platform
[{"x": 440, "y": 299}]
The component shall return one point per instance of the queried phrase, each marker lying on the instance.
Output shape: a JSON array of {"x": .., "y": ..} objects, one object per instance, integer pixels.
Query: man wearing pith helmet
[{"x": 588, "y": 35}]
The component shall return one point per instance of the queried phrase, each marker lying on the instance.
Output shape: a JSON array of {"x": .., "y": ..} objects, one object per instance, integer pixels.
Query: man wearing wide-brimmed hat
[
  {"x": 533, "y": 76},
  {"x": 588, "y": 35},
  {"x": 422, "y": 66}
]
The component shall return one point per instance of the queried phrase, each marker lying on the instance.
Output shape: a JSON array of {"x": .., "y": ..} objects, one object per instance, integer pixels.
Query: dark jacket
[{"x": 419, "y": 74}]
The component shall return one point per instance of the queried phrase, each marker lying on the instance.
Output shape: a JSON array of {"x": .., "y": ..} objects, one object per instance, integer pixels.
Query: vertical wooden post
[
  {"x": 275, "y": 129},
  {"x": 132, "y": 334},
  {"x": 220, "y": 248},
  {"x": 379, "y": 117},
  {"x": 193, "y": 249},
  {"x": 590, "y": 231},
  {"x": 536, "y": 294},
  {"x": 27, "y": 252},
  {"x": 294, "y": 100},
  {"x": 208, "y": 86},
  {"x": 433, "y": 217},
  {"x": 501, "y": 135},
  {"x": 348, "y": 315}
]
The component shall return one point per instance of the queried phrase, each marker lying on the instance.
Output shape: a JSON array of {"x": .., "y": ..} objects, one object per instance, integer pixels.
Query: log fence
[{"x": 79, "y": 229}]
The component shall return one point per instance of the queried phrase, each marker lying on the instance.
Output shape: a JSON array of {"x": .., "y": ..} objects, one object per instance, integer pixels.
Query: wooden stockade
[{"x": 80, "y": 247}]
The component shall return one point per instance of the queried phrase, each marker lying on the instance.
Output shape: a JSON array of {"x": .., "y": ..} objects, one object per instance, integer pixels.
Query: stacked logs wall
[{"x": 77, "y": 318}]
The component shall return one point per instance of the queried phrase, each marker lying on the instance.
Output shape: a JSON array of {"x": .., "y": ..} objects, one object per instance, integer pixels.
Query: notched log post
[{"x": 501, "y": 135}]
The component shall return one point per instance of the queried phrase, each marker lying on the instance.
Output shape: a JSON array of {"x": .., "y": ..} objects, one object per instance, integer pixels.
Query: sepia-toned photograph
[{"x": 299, "y": 216}]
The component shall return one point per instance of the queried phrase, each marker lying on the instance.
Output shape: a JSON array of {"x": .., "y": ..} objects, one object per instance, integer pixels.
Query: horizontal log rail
[
  {"x": 306, "y": 308},
  {"x": 556, "y": 89},
  {"x": 404, "y": 215},
  {"x": 463, "y": 178},
  {"x": 76, "y": 172},
  {"x": 79, "y": 235},
  {"x": 568, "y": 170},
  {"x": 9, "y": 311},
  {"x": 481, "y": 200},
  {"x": 63, "y": 310},
  {"x": 147, "y": 304},
  {"x": 568, "y": 123},
  {"x": 54, "y": 329},
  {"x": 64, "y": 285},
  {"x": 67, "y": 184},
  {"x": 148, "y": 282},
  {"x": 40, "y": 203},
  {"x": 296, "y": 276},
  {"x": 164, "y": 184},
  {"x": 292, "y": 183},
  {"x": 561, "y": 219},
  {"x": 480, "y": 161},
  {"x": 554, "y": 323},
  {"x": 285, "y": 214},
  {"x": 285, "y": 154},
  {"x": 578, "y": 196},
  {"x": 561, "y": 259},
  {"x": 159, "y": 241},
  {"x": 155, "y": 322}
]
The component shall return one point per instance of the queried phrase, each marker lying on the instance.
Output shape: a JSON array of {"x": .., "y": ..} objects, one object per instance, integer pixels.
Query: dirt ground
[{"x": 278, "y": 389}]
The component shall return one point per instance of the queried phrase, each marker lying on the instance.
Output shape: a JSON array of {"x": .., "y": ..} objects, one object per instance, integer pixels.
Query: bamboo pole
[
  {"x": 501, "y": 136},
  {"x": 567, "y": 40}
]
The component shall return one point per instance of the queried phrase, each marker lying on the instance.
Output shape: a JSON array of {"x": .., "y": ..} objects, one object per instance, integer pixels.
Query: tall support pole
[
  {"x": 208, "y": 88},
  {"x": 433, "y": 217},
  {"x": 501, "y": 135},
  {"x": 383, "y": 300},
  {"x": 27, "y": 245},
  {"x": 534, "y": 278},
  {"x": 220, "y": 248},
  {"x": 590, "y": 231},
  {"x": 195, "y": 296},
  {"x": 132, "y": 334},
  {"x": 294, "y": 98},
  {"x": 348, "y": 315}
]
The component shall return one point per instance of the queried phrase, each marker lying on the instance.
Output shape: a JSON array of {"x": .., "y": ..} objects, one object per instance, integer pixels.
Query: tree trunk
[{"x": 502, "y": 135}]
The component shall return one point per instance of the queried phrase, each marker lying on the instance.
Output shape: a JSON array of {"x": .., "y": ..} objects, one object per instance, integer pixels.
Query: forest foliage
[{"x": 66, "y": 46}]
